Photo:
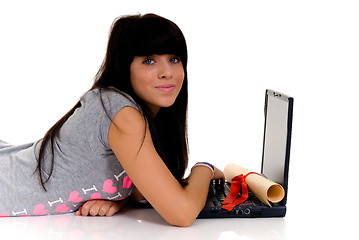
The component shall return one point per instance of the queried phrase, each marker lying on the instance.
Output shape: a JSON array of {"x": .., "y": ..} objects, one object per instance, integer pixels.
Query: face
[{"x": 157, "y": 79}]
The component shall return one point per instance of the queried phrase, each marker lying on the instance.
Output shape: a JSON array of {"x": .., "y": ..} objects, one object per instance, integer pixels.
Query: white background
[{"x": 51, "y": 50}]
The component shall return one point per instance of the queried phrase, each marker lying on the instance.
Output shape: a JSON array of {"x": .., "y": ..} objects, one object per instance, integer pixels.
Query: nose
[{"x": 165, "y": 71}]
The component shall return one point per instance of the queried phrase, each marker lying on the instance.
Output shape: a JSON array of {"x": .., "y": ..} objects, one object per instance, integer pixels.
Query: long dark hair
[{"x": 140, "y": 35}]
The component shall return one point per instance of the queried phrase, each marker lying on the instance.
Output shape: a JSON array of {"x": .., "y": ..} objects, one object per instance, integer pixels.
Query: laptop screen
[{"x": 277, "y": 137}]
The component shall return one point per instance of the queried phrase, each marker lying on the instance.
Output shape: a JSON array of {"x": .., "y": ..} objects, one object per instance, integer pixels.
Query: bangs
[{"x": 150, "y": 36}]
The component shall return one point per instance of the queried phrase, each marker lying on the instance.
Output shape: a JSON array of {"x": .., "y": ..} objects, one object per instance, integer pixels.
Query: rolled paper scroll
[{"x": 264, "y": 189}]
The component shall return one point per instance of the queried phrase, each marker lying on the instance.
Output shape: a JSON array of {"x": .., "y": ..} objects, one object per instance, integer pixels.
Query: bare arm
[{"x": 133, "y": 146}]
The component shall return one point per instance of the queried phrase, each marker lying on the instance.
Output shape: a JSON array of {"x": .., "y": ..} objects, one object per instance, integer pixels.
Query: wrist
[{"x": 205, "y": 164}]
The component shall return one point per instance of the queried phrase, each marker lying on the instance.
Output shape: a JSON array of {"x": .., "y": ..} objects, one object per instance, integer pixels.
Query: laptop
[{"x": 278, "y": 110}]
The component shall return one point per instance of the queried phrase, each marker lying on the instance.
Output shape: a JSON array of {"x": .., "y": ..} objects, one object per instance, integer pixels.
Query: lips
[{"x": 166, "y": 87}]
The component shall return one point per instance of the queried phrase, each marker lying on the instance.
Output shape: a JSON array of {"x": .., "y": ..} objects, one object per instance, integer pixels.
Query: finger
[
  {"x": 95, "y": 208},
  {"x": 104, "y": 208},
  {"x": 116, "y": 207},
  {"x": 84, "y": 210},
  {"x": 78, "y": 212}
]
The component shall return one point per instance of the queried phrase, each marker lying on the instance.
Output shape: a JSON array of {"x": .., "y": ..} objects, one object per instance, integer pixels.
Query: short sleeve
[{"x": 102, "y": 107}]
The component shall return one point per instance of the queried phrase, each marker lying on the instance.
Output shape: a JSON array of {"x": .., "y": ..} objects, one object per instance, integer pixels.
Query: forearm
[
  {"x": 198, "y": 183},
  {"x": 195, "y": 194}
]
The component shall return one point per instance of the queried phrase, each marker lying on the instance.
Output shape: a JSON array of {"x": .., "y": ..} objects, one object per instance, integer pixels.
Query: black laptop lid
[{"x": 277, "y": 138}]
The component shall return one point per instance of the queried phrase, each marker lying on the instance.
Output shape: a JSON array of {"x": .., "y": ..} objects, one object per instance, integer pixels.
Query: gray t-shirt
[{"x": 85, "y": 166}]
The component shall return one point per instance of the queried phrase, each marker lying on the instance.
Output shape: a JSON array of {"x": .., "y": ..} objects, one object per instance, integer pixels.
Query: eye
[
  {"x": 175, "y": 60},
  {"x": 148, "y": 61}
]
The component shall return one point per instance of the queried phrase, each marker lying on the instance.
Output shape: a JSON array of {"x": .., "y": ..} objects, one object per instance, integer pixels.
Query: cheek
[
  {"x": 179, "y": 72},
  {"x": 139, "y": 84},
  {"x": 181, "y": 77},
  {"x": 135, "y": 78},
  {"x": 136, "y": 86},
  {"x": 141, "y": 76}
]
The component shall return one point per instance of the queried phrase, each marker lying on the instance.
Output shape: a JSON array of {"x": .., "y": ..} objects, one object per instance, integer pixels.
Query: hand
[
  {"x": 101, "y": 208},
  {"x": 218, "y": 174}
]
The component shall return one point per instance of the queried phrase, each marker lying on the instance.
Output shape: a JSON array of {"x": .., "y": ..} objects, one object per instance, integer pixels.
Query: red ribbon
[{"x": 238, "y": 182}]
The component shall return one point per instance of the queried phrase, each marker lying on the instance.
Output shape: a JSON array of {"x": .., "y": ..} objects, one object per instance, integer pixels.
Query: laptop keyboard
[{"x": 218, "y": 191}]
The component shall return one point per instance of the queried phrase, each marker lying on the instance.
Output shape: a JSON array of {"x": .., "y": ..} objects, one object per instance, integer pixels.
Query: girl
[{"x": 126, "y": 137}]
